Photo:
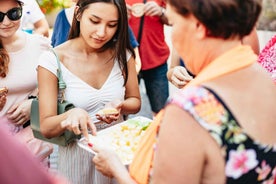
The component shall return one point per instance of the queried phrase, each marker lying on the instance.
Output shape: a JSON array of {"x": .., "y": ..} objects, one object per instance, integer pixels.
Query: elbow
[
  {"x": 138, "y": 107},
  {"x": 46, "y": 34},
  {"x": 46, "y": 132}
]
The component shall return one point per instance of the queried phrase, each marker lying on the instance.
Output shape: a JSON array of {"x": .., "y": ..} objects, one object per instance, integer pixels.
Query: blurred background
[
  {"x": 51, "y": 7},
  {"x": 266, "y": 29}
]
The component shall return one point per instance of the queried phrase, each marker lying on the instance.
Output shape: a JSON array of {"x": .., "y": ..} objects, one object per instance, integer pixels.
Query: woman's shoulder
[
  {"x": 48, "y": 60},
  {"x": 194, "y": 94},
  {"x": 203, "y": 104}
]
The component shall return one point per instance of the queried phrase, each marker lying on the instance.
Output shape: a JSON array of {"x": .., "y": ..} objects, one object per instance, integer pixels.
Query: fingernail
[{"x": 90, "y": 144}]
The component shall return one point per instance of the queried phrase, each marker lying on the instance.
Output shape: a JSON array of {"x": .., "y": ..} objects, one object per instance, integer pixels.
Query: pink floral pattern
[
  {"x": 240, "y": 162},
  {"x": 246, "y": 160},
  {"x": 263, "y": 171},
  {"x": 267, "y": 57}
]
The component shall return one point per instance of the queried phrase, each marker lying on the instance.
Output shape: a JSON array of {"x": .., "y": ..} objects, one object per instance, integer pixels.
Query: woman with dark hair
[
  {"x": 98, "y": 67},
  {"x": 19, "y": 52},
  {"x": 220, "y": 128},
  {"x": 62, "y": 26}
]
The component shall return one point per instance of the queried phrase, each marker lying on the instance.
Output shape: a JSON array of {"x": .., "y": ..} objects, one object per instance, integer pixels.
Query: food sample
[
  {"x": 123, "y": 138},
  {"x": 137, "y": 9},
  {"x": 108, "y": 111}
]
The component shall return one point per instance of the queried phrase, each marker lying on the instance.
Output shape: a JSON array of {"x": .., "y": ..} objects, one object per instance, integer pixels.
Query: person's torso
[
  {"x": 82, "y": 94},
  {"x": 89, "y": 98},
  {"x": 21, "y": 79}
]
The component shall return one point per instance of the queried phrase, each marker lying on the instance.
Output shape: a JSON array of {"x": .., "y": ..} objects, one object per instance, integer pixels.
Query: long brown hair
[
  {"x": 4, "y": 61},
  {"x": 4, "y": 56},
  {"x": 120, "y": 41}
]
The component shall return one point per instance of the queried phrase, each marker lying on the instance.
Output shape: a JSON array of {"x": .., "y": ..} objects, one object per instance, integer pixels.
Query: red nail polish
[{"x": 90, "y": 144}]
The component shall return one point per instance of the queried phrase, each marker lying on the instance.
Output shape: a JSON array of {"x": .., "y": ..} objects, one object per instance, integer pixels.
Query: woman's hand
[
  {"x": 108, "y": 118},
  {"x": 79, "y": 121},
  {"x": 106, "y": 160},
  {"x": 20, "y": 113},
  {"x": 152, "y": 9},
  {"x": 180, "y": 77},
  {"x": 109, "y": 164},
  {"x": 111, "y": 117}
]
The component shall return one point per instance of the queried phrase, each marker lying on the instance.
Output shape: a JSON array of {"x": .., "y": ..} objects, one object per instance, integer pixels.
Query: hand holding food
[
  {"x": 3, "y": 97},
  {"x": 108, "y": 115},
  {"x": 180, "y": 76},
  {"x": 104, "y": 158},
  {"x": 111, "y": 111}
]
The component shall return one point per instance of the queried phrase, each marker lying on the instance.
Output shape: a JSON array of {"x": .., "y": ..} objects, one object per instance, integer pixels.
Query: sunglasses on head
[{"x": 13, "y": 14}]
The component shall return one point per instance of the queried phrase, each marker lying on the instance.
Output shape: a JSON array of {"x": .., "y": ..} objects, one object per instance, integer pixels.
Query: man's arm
[{"x": 41, "y": 27}]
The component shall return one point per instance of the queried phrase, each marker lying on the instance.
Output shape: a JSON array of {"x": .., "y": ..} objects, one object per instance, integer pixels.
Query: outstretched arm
[
  {"x": 42, "y": 27},
  {"x": 109, "y": 164}
]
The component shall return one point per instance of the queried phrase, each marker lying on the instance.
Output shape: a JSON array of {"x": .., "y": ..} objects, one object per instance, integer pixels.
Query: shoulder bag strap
[
  {"x": 61, "y": 83},
  {"x": 141, "y": 26}
]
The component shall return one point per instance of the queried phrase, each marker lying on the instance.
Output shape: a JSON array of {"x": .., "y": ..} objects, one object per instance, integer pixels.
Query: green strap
[{"x": 61, "y": 83}]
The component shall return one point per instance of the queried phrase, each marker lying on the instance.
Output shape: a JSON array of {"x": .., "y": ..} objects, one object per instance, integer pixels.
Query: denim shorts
[{"x": 157, "y": 86}]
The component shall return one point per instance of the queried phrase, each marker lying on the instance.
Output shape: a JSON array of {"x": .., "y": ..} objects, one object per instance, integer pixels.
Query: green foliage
[{"x": 47, "y": 6}]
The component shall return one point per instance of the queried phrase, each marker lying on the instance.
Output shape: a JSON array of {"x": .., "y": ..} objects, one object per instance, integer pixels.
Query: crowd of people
[
  {"x": 219, "y": 127},
  {"x": 19, "y": 53}
]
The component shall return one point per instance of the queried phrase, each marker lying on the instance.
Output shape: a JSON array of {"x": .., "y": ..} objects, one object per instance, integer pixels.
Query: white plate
[{"x": 107, "y": 136}]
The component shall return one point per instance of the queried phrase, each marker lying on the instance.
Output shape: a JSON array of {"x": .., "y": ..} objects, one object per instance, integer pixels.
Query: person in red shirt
[{"x": 147, "y": 24}]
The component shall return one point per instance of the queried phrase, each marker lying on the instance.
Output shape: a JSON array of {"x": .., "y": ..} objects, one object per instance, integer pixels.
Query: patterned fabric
[
  {"x": 267, "y": 57},
  {"x": 247, "y": 161}
]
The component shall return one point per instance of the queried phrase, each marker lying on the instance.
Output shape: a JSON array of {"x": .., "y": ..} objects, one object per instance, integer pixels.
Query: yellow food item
[
  {"x": 123, "y": 138},
  {"x": 137, "y": 9},
  {"x": 108, "y": 111}
]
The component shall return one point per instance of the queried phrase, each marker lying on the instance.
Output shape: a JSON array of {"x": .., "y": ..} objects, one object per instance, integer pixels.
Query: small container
[{"x": 27, "y": 24}]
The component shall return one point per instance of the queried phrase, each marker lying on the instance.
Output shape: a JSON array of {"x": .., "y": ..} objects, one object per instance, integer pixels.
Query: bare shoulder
[
  {"x": 183, "y": 145},
  {"x": 63, "y": 49},
  {"x": 250, "y": 95}
]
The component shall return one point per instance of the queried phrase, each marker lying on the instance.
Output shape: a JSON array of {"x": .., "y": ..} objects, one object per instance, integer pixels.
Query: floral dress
[{"x": 247, "y": 161}]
